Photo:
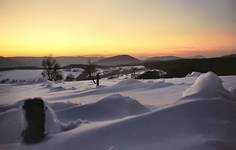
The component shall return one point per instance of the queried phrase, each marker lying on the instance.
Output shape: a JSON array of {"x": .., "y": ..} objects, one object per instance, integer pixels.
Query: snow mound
[
  {"x": 208, "y": 85},
  {"x": 194, "y": 74},
  {"x": 111, "y": 107},
  {"x": 13, "y": 123},
  {"x": 186, "y": 126}
]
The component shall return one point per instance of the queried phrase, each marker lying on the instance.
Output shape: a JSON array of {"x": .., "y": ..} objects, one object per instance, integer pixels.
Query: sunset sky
[{"x": 111, "y": 27}]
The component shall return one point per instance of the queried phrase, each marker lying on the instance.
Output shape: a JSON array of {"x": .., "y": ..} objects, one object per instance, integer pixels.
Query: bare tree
[
  {"x": 51, "y": 69},
  {"x": 90, "y": 70}
]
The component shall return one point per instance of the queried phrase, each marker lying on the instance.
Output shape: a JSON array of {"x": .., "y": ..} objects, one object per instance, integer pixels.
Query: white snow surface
[
  {"x": 109, "y": 108},
  {"x": 192, "y": 113},
  {"x": 23, "y": 75}
]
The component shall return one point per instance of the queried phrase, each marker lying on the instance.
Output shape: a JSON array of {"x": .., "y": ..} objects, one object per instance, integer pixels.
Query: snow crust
[{"x": 116, "y": 116}]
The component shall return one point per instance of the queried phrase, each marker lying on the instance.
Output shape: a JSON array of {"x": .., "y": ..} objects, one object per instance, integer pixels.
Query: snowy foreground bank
[{"x": 192, "y": 113}]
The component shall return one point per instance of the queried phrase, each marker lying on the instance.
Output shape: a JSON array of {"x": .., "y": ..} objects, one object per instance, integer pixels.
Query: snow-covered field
[
  {"x": 192, "y": 113},
  {"x": 27, "y": 76},
  {"x": 32, "y": 76}
]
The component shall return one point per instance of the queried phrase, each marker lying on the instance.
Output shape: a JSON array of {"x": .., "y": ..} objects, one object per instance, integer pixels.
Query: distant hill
[
  {"x": 162, "y": 58},
  {"x": 198, "y": 57},
  {"x": 182, "y": 67},
  {"x": 230, "y": 56},
  {"x": 118, "y": 60},
  {"x": 6, "y": 62}
]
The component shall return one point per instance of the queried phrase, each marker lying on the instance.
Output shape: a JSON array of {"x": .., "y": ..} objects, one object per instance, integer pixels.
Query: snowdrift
[
  {"x": 124, "y": 86},
  {"x": 205, "y": 121},
  {"x": 208, "y": 85},
  {"x": 187, "y": 126},
  {"x": 13, "y": 123},
  {"x": 111, "y": 107}
]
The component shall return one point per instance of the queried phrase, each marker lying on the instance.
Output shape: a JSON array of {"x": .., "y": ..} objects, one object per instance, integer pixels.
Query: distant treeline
[{"x": 182, "y": 67}]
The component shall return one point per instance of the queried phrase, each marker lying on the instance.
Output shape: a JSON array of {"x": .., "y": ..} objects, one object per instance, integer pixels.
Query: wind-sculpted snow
[
  {"x": 203, "y": 118},
  {"x": 13, "y": 123},
  {"x": 187, "y": 126},
  {"x": 208, "y": 85},
  {"x": 122, "y": 86},
  {"x": 111, "y": 107}
]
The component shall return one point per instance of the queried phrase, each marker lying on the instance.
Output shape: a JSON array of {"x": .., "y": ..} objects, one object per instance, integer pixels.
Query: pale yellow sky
[{"x": 110, "y": 27}]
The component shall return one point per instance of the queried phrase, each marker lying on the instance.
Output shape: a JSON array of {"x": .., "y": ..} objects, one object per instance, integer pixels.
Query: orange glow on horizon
[{"x": 82, "y": 28}]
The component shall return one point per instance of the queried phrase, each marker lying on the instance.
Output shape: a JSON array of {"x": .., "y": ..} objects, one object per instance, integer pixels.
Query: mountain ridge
[{"x": 118, "y": 60}]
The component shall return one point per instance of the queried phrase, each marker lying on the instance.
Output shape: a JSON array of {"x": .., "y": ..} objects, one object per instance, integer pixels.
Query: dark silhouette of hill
[
  {"x": 118, "y": 60},
  {"x": 162, "y": 58},
  {"x": 182, "y": 67},
  {"x": 198, "y": 57},
  {"x": 229, "y": 56}
]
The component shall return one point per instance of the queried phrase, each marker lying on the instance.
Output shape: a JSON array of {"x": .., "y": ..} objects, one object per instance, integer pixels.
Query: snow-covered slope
[
  {"x": 23, "y": 75},
  {"x": 186, "y": 114},
  {"x": 13, "y": 123},
  {"x": 187, "y": 126},
  {"x": 111, "y": 107}
]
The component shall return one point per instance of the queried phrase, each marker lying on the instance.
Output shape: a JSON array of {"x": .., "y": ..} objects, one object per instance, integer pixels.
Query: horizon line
[{"x": 105, "y": 56}]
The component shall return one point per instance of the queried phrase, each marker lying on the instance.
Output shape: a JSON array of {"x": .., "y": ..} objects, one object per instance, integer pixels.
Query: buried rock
[{"x": 35, "y": 121}]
